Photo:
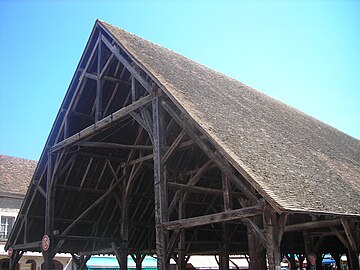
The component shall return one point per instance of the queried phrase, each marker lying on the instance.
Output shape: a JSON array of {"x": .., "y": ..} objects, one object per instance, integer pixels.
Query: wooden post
[
  {"x": 138, "y": 259},
  {"x": 160, "y": 188},
  {"x": 224, "y": 256},
  {"x": 181, "y": 264},
  {"x": 256, "y": 252},
  {"x": 272, "y": 237},
  {"x": 353, "y": 259},
  {"x": 49, "y": 214}
]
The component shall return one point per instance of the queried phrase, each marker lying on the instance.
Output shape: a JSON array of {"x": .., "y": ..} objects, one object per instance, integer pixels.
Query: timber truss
[{"x": 127, "y": 171}]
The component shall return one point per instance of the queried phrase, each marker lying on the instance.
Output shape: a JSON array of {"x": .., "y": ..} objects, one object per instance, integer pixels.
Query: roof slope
[
  {"x": 15, "y": 174},
  {"x": 301, "y": 163}
]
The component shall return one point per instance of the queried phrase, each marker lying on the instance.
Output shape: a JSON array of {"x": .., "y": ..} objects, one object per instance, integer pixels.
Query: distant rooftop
[{"x": 15, "y": 174}]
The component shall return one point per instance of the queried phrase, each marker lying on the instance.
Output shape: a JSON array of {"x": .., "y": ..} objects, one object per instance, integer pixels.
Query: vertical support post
[
  {"x": 98, "y": 111},
  {"x": 353, "y": 260},
  {"x": 224, "y": 256},
  {"x": 124, "y": 233},
  {"x": 160, "y": 187},
  {"x": 49, "y": 213},
  {"x": 272, "y": 237},
  {"x": 226, "y": 193},
  {"x": 181, "y": 265}
]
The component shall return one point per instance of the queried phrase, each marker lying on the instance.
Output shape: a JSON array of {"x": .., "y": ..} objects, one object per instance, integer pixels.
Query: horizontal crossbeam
[
  {"x": 102, "y": 124},
  {"x": 213, "y": 218}
]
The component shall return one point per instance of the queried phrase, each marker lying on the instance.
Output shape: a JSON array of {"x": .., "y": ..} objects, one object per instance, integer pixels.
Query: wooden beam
[
  {"x": 213, "y": 218},
  {"x": 102, "y": 124},
  {"x": 129, "y": 67},
  {"x": 195, "y": 189},
  {"x": 215, "y": 158},
  {"x": 114, "y": 145},
  {"x": 349, "y": 234},
  {"x": 115, "y": 80},
  {"x": 87, "y": 211},
  {"x": 26, "y": 246},
  {"x": 312, "y": 225},
  {"x": 173, "y": 147}
]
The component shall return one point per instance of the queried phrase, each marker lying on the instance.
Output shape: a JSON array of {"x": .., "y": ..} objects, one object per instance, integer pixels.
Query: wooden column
[
  {"x": 138, "y": 259},
  {"x": 121, "y": 255},
  {"x": 160, "y": 187},
  {"x": 256, "y": 252},
  {"x": 124, "y": 233},
  {"x": 14, "y": 259},
  {"x": 181, "y": 264},
  {"x": 272, "y": 239},
  {"x": 224, "y": 256},
  {"x": 353, "y": 259},
  {"x": 48, "y": 255}
]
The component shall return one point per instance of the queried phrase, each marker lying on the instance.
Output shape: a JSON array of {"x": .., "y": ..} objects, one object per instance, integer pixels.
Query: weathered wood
[
  {"x": 342, "y": 239},
  {"x": 87, "y": 211},
  {"x": 128, "y": 66},
  {"x": 26, "y": 246},
  {"x": 160, "y": 185},
  {"x": 213, "y": 218},
  {"x": 191, "y": 182},
  {"x": 282, "y": 224},
  {"x": 102, "y": 124},
  {"x": 115, "y": 80},
  {"x": 194, "y": 189},
  {"x": 98, "y": 98},
  {"x": 140, "y": 159},
  {"x": 173, "y": 147},
  {"x": 77, "y": 92},
  {"x": 106, "y": 66},
  {"x": 114, "y": 145},
  {"x": 311, "y": 225},
  {"x": 121, "y": 256},
  {"x": 349, "y": 234},
  {"x": 226, "y": 193},
  {"x": 272, "y": 239}
]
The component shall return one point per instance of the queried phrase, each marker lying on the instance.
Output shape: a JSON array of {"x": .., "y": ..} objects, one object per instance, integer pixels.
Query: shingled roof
[
  {"x": 295, "y": 161},
  {"x": 15, "y": 174}
]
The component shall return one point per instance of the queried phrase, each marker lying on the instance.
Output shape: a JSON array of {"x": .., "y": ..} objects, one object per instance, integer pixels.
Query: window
[{"x": 6, "y": 225}]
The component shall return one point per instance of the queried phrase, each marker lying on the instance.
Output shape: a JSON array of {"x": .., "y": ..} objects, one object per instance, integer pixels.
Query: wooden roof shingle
[{"x": 296, "y": 161}]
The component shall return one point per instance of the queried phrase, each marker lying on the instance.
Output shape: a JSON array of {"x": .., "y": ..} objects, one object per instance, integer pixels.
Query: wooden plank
[
  {"x": 213, "y": 218},
  {"x": 312, "y": 225},
  {"x": 114, "y": 145},
  {"x": 102, "y": 124}
]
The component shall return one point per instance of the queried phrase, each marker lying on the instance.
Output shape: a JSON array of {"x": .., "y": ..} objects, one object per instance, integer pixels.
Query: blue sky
[{"x": 304, "y": 53}]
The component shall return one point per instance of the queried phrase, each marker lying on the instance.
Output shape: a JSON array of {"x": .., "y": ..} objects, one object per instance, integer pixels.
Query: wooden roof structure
[{"x": 153, "y": 153}]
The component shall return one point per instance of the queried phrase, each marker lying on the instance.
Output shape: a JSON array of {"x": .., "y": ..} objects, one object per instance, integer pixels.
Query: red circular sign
[
  {"x": 10, "y": 251},
  {"x": 45, "y": 243}
]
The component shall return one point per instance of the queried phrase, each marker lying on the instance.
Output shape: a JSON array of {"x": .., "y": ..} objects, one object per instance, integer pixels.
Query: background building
[{"x": 15, "y": 176}]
